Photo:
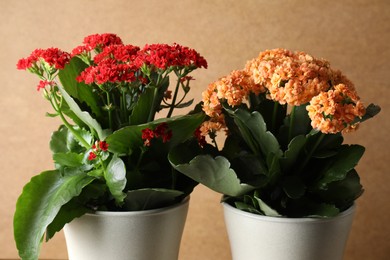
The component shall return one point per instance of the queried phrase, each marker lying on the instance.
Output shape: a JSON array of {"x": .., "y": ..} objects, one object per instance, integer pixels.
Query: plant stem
[
  {"x": 152, "y": 111},
  {"x": 109, "y": 107},
  {"x": 310, "y": 154},
  {"x": 174, "y": 97},
  {"x": 292, "y": 123},
  {"x": 56, "y": 105},
  {"x": 274, "y": 115}
]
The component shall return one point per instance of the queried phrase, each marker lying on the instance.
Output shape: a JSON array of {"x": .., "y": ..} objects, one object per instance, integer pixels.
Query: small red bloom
[
  {"x": 44, "y": 83},
  {"x": 201, "y": 139},
  {"x": 147, "y": 136},
  {"x": 103, "y": 145},
  {"x": 91, "y": 156},
  {"x": 160, "y": 129},
  {"x": 167, "y": 136}
]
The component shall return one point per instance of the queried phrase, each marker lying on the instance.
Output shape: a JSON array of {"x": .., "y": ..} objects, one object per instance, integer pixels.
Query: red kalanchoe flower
[
  {"x": 201, "y": 138},
  {"x": 147, "y": 136},
  {"x": 96, "y": 42},
  {"x": 53, "y": 56},
  {"x": 122, "y": 53},
  {"x": 166, "y": 137},
  {"x": 92, "y": 156},
  {"x": 101, "y": 40},
  {"x": 162, "y": 130},
  {"x": 43, "y": 83},
  {"x": 103, "y": 145},
  {"x": 163, "y": 56}
]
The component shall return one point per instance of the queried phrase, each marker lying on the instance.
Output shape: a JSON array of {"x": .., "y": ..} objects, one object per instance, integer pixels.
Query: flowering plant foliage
[
  {"x": 284, "y": 114},
  {"x": 110, "y": 152}
]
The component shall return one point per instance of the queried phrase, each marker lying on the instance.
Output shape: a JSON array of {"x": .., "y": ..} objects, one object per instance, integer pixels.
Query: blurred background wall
[{"x": 353, "y": 35}]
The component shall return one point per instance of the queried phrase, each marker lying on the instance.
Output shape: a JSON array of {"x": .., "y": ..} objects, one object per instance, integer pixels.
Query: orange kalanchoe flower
[
  {"x": 233, "y": 89},
  {"x": 335, "y": 110},
  {"x": 290, "y": 77}
]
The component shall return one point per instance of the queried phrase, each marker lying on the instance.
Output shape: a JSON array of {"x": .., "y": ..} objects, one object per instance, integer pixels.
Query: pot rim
[
  {"x": 343, "y": 214},
  {"x": 184, "y": 202}
]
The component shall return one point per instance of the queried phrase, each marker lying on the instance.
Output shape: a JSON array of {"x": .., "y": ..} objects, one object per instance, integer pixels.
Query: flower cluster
[
  {"x": 293, "y": 78},
  {"x": 97, "y": 148},
  {"x": 161, "y": 131},
  {"x": 54, "y": 57}
]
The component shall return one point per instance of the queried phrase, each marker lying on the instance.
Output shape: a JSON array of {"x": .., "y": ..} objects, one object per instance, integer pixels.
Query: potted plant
[
  {"x": 283, "y": 160},
  {"x": 110, "y": 151}
]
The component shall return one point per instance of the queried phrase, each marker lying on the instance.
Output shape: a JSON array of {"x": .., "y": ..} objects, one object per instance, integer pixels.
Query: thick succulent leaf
[
  {"x": 267, "y": 210},
  {"x": 274, "y": 169},
  {"x": 141, "y": 111},
  {"x": 79, "y": 90},
  {"x": 294, "y": 187},
  {"x": 38, "y": 205},
  {"x": 254, "y": 132},
  {"x": 84, "y": 116},
  {"x": 63, "y": 141},
  {"x": 68, "y": 159},
  {"x": 301, "y": 121},
  {"x": 58, "y": 141},
  {"x": 329, "y": 146},
  {"x": 76, "y": 207},
  {"x": 344, "y": 192},
  {"x": 115, "y": 176},
  {"x": 144, "y": 199},
  {"x": 323, "y": 210},
  {"x": 371, "y": 111},
  {"x": 347, "y": 158},
  {"x": 67, "y": 213},
  {"x": 247, "y": 207},
  {"x": 292, "y": 153},
  {"x": 125, "y": 140},
  {"x": 214, "y": 173}
]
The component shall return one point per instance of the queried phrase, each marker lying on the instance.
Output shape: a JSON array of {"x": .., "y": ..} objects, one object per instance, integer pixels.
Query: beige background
[{"x": 353, "y": 34}]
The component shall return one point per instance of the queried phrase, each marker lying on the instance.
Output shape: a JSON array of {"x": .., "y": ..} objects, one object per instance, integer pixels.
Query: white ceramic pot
[
  {"x": 137, "y": 235},
  {"x": 254, "y": 237}
]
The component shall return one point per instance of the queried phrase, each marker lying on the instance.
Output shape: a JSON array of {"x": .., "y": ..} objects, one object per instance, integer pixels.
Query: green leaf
[
  {"x": 267, "y": 210},
  {"x": 84, "y": 116},
  {"x": 294, "y": 187},
  {"x": 347, "y": 158},
  {"x": 292, "y": 153},
  {"x": 115, "y": 176},
  {"x": 254, "y": 132},
  {"x": 214, "y": 173},
  {"x": 67, "y": 213},
  {"x": 76, "y": 207},
  {"x": 329, "y": 145},
  {"x": 68, "y": 159},
  {"x": 141, "y": 111},
  {"x": 58, "y": 141},
  {"x": 38, "y": 205},
  {"x": 144, "y": 199},
  {"x": 323, "y": 210},
  {"x": 301, "y": 121},
  {"x": 344, "y": 192},
  {"x": 371, "y": 111},
  {"x": 79, "y": 90},
  {"x": 274, "y": 170},
  {"x": 246, "y": 207}
]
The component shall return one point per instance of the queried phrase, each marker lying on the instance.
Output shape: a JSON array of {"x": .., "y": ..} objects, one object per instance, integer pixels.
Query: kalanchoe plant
[
  {"x": 110, "y": 152},
  {"x": 284, "y": 115}
]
